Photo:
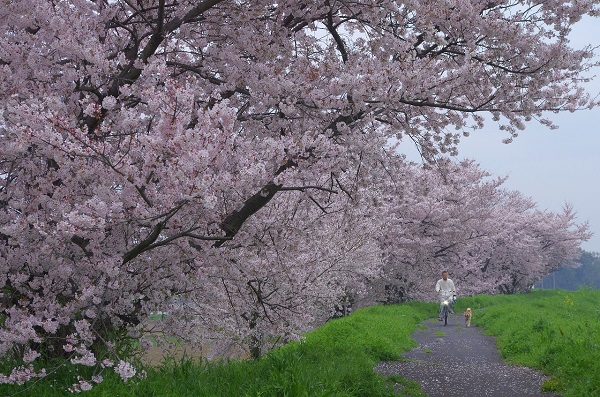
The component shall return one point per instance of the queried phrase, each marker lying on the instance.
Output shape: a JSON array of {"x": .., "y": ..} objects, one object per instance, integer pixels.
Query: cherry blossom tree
[
  {"x": 457, "y": 217},
  {"x": 150, "y": 148},
  {"x": 301, "y": 263}
]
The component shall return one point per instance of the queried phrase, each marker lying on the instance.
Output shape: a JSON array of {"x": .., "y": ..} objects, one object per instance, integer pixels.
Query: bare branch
[
  {"x": 317, "y": 204},
  {"x": 304, "y": 188}
]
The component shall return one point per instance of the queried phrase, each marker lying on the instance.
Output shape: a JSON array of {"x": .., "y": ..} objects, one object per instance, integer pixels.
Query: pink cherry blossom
[
  {"x": 30, "y": 356},
  {"x": 125, "y": 370}
]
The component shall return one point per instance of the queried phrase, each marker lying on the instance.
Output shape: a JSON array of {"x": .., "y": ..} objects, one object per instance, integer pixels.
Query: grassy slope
[{"x": 555, "y": 331}]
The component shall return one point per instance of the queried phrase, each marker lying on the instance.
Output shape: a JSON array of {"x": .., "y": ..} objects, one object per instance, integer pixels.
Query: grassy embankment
[
  {"x": 335, "y": 360},
  {"x": 557, "y": 332}
]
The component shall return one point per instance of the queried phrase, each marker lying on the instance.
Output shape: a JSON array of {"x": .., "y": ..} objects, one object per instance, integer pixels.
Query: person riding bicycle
[{"x": 445, "y": 288}]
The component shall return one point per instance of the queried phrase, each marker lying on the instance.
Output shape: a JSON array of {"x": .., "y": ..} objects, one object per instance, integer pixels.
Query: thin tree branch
[
  {"x": 304, "y": 188},
  {"x": 147, "y": 243}
]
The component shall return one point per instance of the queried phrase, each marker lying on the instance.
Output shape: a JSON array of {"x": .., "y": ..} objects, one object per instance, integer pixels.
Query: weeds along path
[{"x": 456, "y": 361}]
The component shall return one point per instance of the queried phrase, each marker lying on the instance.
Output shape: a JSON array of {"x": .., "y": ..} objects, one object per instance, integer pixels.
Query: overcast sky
[{"x": 553, "y": 167}]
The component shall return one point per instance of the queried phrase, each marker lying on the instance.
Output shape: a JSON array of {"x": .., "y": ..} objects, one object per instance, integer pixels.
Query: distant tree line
[{"x": 586, "y": 275}]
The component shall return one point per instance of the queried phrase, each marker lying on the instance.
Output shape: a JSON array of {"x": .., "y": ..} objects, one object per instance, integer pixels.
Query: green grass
[
  {"x": 557, "y": 332},
  {"x": 336, "y": 359}
]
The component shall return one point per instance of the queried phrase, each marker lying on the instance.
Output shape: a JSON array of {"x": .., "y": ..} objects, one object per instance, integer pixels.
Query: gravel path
[{"x": 462, "y": 362}]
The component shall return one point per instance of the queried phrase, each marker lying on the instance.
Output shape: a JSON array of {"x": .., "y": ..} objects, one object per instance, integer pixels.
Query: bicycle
[{"x": 446, "y": 304}]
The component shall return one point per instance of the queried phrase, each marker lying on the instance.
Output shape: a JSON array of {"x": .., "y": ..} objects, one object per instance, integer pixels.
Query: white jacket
[{"x": 445, "y": 287}]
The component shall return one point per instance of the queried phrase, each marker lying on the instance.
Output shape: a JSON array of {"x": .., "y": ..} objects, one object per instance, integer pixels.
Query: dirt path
[{"x": 456, "y": 361}]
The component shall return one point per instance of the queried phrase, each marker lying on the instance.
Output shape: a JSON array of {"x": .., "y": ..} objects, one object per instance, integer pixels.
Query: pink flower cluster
[
  {"x": 84, "y": 385},
  {"x": 125, "y": 370},
  {"x": 22, "y": 374}
]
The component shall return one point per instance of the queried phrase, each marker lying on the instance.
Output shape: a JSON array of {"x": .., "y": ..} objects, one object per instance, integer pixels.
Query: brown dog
[{"x": 468, "y": 316}]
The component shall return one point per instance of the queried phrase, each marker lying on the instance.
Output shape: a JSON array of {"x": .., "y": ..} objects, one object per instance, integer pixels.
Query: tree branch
[
  {"x": 336, "y": 36},
  {"x": 348, "y": 119},
  {"x": 304, "y": 188},
  {"x": 317, "y": 204},
  {"x": 234, "y": 221},
  {"x": 144, "y": 244},
  {"x": 148, "y": 242},
  {"x": 131, "y": 73}
]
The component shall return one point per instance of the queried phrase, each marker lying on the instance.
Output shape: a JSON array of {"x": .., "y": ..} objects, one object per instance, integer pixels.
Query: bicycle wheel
[{"x": 445, "y": 315}]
